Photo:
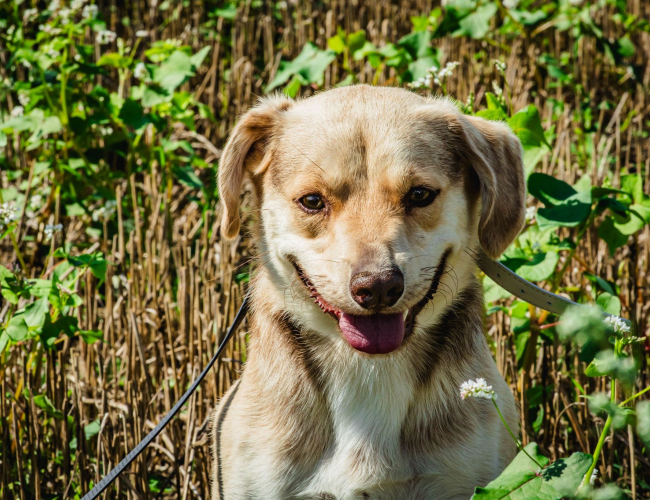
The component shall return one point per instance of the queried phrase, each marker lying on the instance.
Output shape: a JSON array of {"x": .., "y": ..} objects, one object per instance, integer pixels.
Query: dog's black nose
[{"x": 382, "y": 289}]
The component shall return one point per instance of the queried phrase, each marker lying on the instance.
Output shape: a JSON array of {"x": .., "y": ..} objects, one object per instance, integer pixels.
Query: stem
[
  {"x": 599, "y": 447},
  {"x": 635, "y": 396},
  {"x": 519, "y": 445}
]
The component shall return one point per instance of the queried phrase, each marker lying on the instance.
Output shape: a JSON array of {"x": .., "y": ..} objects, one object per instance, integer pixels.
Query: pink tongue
[{"x": 376, "y": 334}]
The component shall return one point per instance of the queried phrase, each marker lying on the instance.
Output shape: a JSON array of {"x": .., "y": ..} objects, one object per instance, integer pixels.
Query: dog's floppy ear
[
  {"x": 244, "y": 151},
  {"x": 495, "y": 154}
]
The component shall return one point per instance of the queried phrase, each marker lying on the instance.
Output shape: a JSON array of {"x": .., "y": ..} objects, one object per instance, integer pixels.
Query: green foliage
[{"x": 522, "y": 479}]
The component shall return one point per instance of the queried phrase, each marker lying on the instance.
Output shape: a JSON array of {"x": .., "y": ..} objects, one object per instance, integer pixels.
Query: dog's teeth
[{"x": 406, "y": 313}]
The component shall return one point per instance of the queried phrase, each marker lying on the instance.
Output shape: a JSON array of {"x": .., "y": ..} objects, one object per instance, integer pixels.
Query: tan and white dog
[{"x": 366, "y": 312}]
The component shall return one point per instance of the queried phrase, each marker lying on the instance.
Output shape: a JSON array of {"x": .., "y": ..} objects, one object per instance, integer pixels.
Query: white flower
[
  {"x": 27, "y": 64},
  {"x": 530, "y": 213},
  {"x": 593, "y": 477},
  {"x": 29, "y": 14},
  {"x": 63, "y": 290},
  {"x": 90, "y": 12},
  {"x": 54, "y": 5},
  {"x": 448, "y": 70},
  {"x": 7, "y": 214},
  {"x": 140, "y": 71},
  {"x": 106, "y": 36},
  {"x": 477, "y": 389},
  {"x": 498, "y": 91},
  {"x": 23, "y": 99},
  {"x": 105, "y": 212},
  {"x": 105, "y": 130},
  {"x": 53, "y": 53},
  {"x": 142, "y": 33},
  {"x": 617, "y": 324},
  {"x": 576, "y": 3},
  {"x": 50, "y": 230},
  {"x": 17, "y": 111},
  {"x": 77, "y": 4},
  {"x": 511, "y": 4},
  {"x": 500, "y": 66},
  {"x": 35, "y": 201},
  {"x": 65, "y": 14}
]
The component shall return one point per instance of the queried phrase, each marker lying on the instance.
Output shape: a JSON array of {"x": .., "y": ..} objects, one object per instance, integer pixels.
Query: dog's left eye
[
  {"x": 420, "y": 197},
  {"x": 312, "y": 202}
]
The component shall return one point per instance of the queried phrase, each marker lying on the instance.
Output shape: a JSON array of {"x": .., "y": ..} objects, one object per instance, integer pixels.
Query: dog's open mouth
[{"x": 374, "y": 333}]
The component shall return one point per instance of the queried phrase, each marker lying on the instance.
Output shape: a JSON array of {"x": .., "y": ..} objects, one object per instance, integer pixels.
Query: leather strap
[{"x": 518, "y": 286}]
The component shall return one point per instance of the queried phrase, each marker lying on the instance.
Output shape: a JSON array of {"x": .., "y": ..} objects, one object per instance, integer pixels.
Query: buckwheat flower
[
  {"x": 617, "y": 324},
  {"x": 142, "y": 33},
  {"x": 477, "y": 389},
  {"x": 530, "y": 213},
  {"x": 23, "y": 99},
  {"x": 17, "y": 111},
  {"x": 77, "y": 4},
  {"x": 140, "y": 71},
  {"x": 105, "y": 130},
  {"x": 105, "y": 37},
  {"x": 90, "y": 12},
  {"x": 432, "y": 70},
  {"x": 448, "y": 70},
  {"x": 105, "y": 212},
  {"x": 51, "y": 229},
  {"x": 27, "y": 64},
  {"x": 63, "y": 290},
  {"x": 53, "y": 53},
  {"x": 510, "y": 4},
  {"x": 54, "y": 5},
  {"x": 500, "y": 66},
  {"x": 7, "y": 214},
  {"x": 498, "y": 91},
  {"x": 576, "y": 3},
  {"x": 35, "y": 201},
  {"x": 594, "y": 476},
  {"x": 64, "y": 13},
  {"x": 29, "y": 14}
]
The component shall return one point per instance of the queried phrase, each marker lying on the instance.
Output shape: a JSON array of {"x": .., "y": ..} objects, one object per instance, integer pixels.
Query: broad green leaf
[
  {"x": 527, "y": 124},
  {"x": 114, "y": 60},
  {"x": 492, "y": 291},
  {"x": 633, "y": 184},
  {"x": 570, "y": 213},
  {"x": 132, "y": 114},
  {"x": 477, "y": 24},
  {"x": 417, "y": 44},
  {"x": 4, "y": 341},
  {"x": 532, "y": 156},
  {"x": 7, "y": 287},
  {"x": 46, "y": 405},
  {"x": 186, "y": 175},
  {"x": 17, "y": 329},
  {"x": 34, "y": 313},
  {"x": 174, "y": 71},
  {"x": 549, "y": 190},
  {"x": 539, "y": 268},
  {"x": 310, "y": 65},
  {"x": 520, "y": 471},
  {"x": 418, "y": 69},
  {"x": 337, "y": 43},
  {"x": 559, "y": 480},
  {"x": 610, "y": 303},
  {"x": 621, "y": 417},
  {"x": 40, "y": 288},
  {"x": 607, "y": 363}
]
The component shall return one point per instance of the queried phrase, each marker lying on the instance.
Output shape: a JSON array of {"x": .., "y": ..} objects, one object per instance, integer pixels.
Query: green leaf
[
  {"x": 114, "y": 60},
  {"x": 610, "y": 233},
  {"x": 477, "y": 24},
  {"x": 417, "y": 44},
  {"x": 492, "y": 291},
  {"x": 4, "y": 341},
  {"x": 132, "y": 114},
  {"x": 92, "y": 429},
  {"x": 643, "y": 421},
  {"x": 337, "y": 43},
  {"x": 197, "y": 59},
  {"x": 528, "y": 126},
  {"x": 610, "y": 303},
  {"x": 91, "y": 336},
  {"x": 8, "y": 285},
  {"x": 34, "y": 313},
  {"x": 17, "y": 329},
  {"x": 570, "y": 213},
  {"x": 174, "y": 71},
  {"x": 539, "y": 268},
  {"x": 633, "y": 184},
  {"x": 40, "y": 288},
  {"x": 310, "y": 66},
  {"x": 621, "y": 417},
  {"x": 549, "y": 190},
  {"x": 46, "y": 405},
  {"x": 186, "y": 175},
  {"x": 607, "y": 363},
  {"x": 520, "y": 480}
]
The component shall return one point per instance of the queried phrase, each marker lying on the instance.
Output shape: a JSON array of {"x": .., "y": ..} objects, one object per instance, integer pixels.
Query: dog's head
[{"x": 367, "y": 195}]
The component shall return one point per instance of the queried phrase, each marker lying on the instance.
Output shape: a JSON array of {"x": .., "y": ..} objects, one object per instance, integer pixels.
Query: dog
[{"x": 366, "y": 311}]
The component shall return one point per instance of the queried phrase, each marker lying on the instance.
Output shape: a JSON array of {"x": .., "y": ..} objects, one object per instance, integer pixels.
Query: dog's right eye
[{"x": 312, "y": 202}]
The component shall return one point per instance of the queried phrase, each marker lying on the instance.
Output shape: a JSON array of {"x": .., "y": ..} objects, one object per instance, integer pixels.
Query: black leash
[{"x": 133, "y": 454}]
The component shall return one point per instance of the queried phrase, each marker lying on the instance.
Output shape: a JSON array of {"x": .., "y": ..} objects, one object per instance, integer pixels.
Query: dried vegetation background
[{"x": 174, "y": 285}]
